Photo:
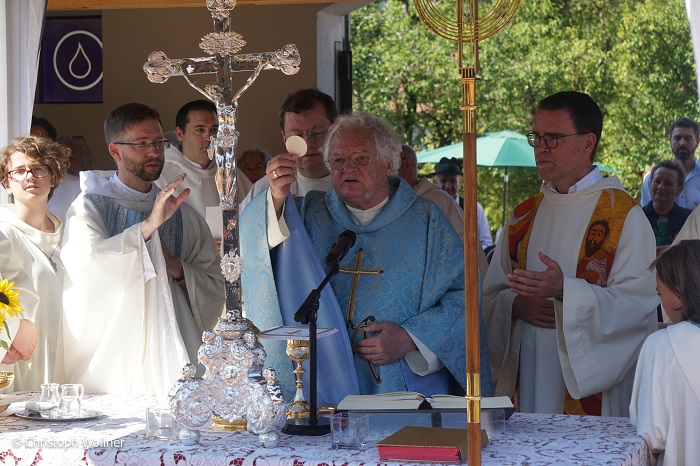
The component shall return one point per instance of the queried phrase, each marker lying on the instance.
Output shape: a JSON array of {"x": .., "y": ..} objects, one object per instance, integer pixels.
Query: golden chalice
[
  {"x": 298, "y": 351},
  {"x": 6, "y": 378}
]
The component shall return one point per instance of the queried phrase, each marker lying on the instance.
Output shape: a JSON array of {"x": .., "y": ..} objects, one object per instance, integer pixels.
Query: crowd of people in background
[{"x": 569, "y": 303}]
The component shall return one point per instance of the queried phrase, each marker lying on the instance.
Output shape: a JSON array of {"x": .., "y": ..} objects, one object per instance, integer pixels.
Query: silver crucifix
[{"x": 223, "y": 46}]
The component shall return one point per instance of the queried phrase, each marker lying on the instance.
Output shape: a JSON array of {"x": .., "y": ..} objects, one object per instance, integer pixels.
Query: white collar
[
  {"x": 107, "y": 183},
  {"x": 590, "y": 179},
  {"x": 312, "y": 180},
  {"x": 363, "y": 217},
  {"x": 192, "y": 163}
]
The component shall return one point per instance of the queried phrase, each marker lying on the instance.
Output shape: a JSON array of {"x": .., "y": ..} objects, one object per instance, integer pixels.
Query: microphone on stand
[
  {"x": 307, "y": 314},
  {"x": 340, "y": 248}
]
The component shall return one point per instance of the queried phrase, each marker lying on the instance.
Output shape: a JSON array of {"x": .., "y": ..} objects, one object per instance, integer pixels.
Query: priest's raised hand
[
  {"x": 281, "y": 172},
  {"x": 164, "y": 207}
]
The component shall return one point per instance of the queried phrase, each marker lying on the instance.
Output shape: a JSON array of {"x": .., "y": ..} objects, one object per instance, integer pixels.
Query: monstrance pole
[{"x": 467, "y": 31}]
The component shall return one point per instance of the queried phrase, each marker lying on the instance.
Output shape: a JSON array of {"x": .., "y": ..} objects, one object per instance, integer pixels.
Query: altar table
[{"x": 118, "y": 438}]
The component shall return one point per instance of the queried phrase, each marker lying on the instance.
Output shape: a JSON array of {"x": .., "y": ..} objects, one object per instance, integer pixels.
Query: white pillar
[
  {"x": 21, "y": 23},
  {"x": 330, "y": 41}
]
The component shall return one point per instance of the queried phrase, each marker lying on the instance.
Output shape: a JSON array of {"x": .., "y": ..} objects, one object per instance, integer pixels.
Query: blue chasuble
[
  {"x": 405, "y": 267},
  {"x": 275, "y": 283}
]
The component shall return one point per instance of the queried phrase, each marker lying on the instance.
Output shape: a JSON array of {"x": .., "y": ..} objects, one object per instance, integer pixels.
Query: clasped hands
[
  {"x": 534, "y": 290},
  {"x": 391, "y": 343}
]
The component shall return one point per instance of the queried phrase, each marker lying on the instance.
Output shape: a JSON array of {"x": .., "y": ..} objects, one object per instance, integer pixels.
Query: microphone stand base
[{"x": 301, "y": 427}]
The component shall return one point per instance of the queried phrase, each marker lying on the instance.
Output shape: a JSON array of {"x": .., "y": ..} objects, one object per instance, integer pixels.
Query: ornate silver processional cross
[
  {"x": 228, "y": 399},
  {"x": 222, "y": 46}
]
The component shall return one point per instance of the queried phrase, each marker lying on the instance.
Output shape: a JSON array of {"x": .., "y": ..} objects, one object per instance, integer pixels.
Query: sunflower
[
  {"x": 9, "y": 302},
  {"x": 9, "y": 307}
]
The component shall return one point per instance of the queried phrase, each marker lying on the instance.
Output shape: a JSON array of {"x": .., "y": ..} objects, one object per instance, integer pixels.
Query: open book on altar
[
  {"x": 295, "y": 333},
  {"x": 400, "y": 401}
]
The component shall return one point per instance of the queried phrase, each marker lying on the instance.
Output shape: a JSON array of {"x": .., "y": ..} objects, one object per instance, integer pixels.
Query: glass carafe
[
  {"x": 49, "y": 400},
  {"x": 71, "y": 399}
]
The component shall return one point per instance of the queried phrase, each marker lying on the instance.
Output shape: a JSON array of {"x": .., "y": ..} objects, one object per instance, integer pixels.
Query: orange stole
[
  {"x": 519, "y": 229},
  {"x": 612, "y": 209}
]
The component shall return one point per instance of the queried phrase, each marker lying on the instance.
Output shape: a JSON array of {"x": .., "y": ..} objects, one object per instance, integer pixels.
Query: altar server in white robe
[
  {"x": 142, "y": 270},
  {"x": 568, "y": 295},
  {"x": 309, "y": 114},
  {"x": 30, "y": 244},
  {"x": 196, "y": 122},
  {"x": 665, "y": 403},
  {"x": 691, "y": 227}
]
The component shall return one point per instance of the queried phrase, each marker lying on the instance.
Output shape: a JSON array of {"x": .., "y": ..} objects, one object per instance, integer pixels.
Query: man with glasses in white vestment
[
  {"x": 567, "y": 309},
  {"x": 142, "y": 270}
]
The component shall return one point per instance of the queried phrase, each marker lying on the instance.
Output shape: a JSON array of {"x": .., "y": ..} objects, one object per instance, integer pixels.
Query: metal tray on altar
[{"x": 85, "y": 415}]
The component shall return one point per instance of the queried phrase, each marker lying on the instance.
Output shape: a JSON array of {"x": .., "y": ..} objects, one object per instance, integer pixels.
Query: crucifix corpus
[{"x": 224, "y": 397}]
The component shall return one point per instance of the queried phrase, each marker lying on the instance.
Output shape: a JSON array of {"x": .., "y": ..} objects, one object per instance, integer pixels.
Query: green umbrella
[{"x": 502, "y": 149}]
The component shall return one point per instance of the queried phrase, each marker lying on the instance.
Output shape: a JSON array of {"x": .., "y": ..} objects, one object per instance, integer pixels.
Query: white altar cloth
[{"x": 119, "y": 439}]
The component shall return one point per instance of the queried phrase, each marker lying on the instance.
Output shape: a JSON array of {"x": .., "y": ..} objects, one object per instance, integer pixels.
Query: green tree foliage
[{"x": 634, "y": 58}]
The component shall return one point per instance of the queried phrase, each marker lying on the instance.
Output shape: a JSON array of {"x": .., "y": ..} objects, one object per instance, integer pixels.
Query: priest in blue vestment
[{"x": 398, "y": 299}]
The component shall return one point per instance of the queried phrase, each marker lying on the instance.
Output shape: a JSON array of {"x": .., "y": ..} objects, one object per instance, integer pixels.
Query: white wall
[{"x": 130, "y": 35}]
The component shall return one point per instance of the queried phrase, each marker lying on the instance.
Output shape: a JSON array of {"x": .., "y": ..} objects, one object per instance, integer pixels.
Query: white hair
[{"x": 387, "y": 142}]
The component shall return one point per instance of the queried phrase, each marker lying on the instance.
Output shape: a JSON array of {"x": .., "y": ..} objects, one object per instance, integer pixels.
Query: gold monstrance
[{"x": 467, "y": 31}]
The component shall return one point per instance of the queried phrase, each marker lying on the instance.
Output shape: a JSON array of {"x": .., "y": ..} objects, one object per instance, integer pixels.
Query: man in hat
[
  {"x": 448, "y": 176},
  {"x": 408, "y": 170}
]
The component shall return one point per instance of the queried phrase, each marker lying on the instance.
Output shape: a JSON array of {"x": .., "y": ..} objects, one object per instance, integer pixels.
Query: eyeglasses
[
  {"x": 311, "y": 134},
  {"x": 338, "y": 163},
  {"x": 550, "y": 140},
  {"x": 159, "y": 144},
  {"x": 20, "y": 174}
]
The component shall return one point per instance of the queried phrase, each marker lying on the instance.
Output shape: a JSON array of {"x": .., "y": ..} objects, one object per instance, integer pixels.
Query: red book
[
  {"x": 427, "y": 444},
  {"x": 406, "y": 453}
]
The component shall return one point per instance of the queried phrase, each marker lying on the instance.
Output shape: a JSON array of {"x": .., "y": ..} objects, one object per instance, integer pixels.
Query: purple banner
[{"x": 71, "y": 60}]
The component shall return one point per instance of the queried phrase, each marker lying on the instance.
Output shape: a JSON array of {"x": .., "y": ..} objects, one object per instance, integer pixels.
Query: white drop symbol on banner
[{"x": 80, "y": 54}]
